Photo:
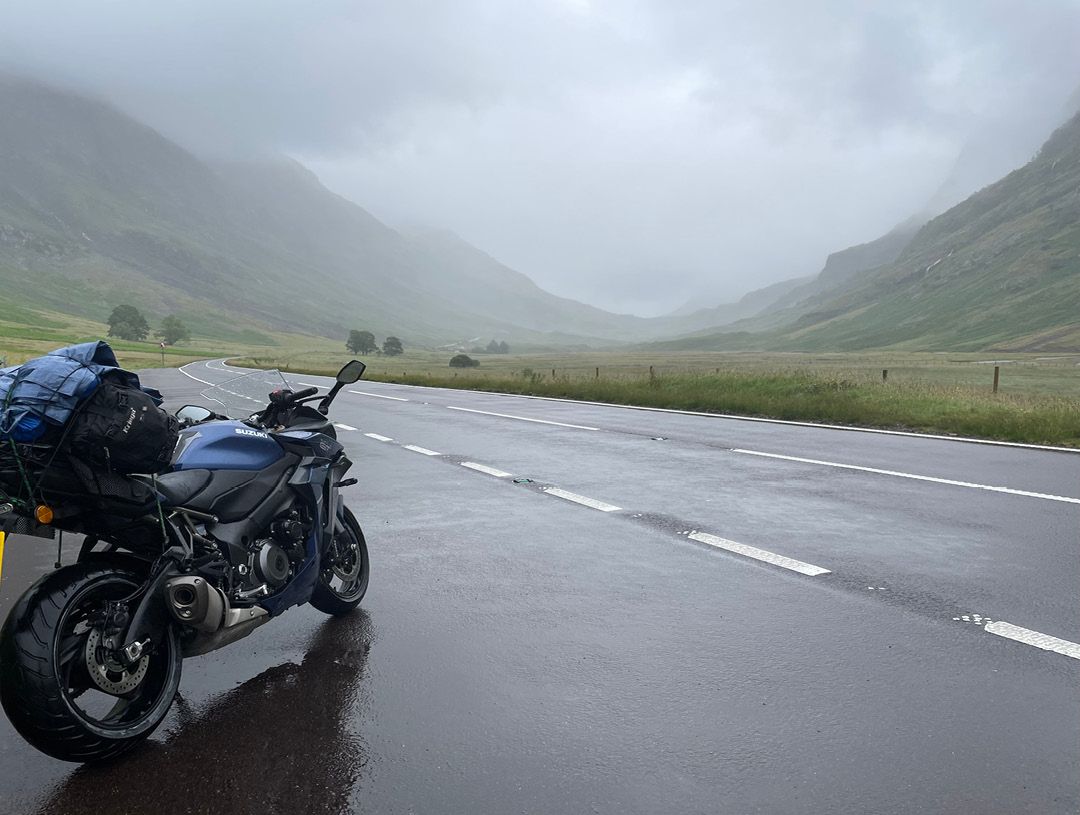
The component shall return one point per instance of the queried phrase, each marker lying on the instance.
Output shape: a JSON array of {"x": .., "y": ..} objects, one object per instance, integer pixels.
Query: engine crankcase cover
[{"x": 271, "y": 564}]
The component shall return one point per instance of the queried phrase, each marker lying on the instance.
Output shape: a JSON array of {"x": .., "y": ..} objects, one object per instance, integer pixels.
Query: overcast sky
[{"x": 628, "y": 154}]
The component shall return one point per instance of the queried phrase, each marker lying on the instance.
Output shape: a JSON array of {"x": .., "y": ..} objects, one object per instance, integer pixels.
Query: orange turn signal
[{"x": 43, "y": 514}]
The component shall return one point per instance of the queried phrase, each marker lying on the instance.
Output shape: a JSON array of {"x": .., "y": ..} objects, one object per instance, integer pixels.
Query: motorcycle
[{"x": 248, "y": 521}]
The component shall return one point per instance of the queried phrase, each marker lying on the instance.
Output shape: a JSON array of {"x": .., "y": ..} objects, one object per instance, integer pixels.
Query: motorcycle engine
[{"x": 272, "y": 560}]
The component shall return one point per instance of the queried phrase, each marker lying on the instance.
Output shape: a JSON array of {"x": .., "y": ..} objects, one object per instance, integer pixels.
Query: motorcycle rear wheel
[
  {"x": 57, "y": 687},
  {"x": 343, "y": 580}
]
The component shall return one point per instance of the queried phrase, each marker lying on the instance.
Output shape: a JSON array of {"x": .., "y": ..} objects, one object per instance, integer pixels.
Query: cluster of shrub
[
  {"x": 363, "y": 342},
  {"x": 128, "y": 323}
]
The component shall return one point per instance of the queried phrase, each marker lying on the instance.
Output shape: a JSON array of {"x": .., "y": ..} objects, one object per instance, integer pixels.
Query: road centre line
[
  {"x": 758, "y": 554},
  {"x": 380, "y": 396},
  {"x": 344, "y": 426},
  {"x": 520, "y": 418},
  {"x": 581, "y": 499},
  {"x": 312, "y": 385},
  {"x": 1029, "y": 637},
  {"x": 482, "y": 468},
  {"x": 424, "y": 450},
  {"x": 951, "y": 482},
  {"x": 377, "y": 437}
]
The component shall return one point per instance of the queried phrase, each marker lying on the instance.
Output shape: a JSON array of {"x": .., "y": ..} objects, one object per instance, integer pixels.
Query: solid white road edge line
[
  {"x": 472, "y": 465},
  {"x": 1029, "y": 637},
  {"x": 758, "y": 554},
  {"x": 344, "y": 426},
  {"x": 520, "y": 418},
  {"x": 377, "y": 437},
  {"x": 1007, "y": 490},
  {"x": 581, "y": 499},
  {"x": 380, "y": 396},
  {"x": 423, "y": 450},
  {"x": 737, "y": 418},
  {"x": 189, "y": 376}
]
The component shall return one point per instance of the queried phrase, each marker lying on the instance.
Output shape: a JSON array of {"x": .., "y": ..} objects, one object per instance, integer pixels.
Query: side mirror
[
  {"x": 193, "y": 414},
  {"x": 351, "y": 372}
]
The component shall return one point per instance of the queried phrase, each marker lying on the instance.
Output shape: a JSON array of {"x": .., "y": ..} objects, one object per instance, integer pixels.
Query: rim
[
  {"x": 346, "y": 573},
  {"x": 110, "y": 699}
]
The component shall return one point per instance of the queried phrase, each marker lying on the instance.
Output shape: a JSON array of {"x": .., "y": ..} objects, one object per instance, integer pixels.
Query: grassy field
[
  {"x": 1038, "y": 400},
  {"x": 25, "y": 334}
]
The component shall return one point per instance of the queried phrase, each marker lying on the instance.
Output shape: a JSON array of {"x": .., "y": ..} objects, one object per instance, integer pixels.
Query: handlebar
[{"x": 287, "y": 397}]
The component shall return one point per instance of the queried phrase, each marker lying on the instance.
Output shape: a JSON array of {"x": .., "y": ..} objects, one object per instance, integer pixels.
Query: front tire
[
  {"x": 57, "y": 687},
  {"x": 343, "y": 579}
]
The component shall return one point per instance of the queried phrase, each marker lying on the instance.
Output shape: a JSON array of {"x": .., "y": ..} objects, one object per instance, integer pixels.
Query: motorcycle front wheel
[
  {"x": 58, "y": 685},
  {"x": 343, "y": 580}
]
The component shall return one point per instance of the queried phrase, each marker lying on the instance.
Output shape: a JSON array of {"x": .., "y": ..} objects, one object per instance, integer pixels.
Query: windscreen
[{"x": 242, "y": 396}]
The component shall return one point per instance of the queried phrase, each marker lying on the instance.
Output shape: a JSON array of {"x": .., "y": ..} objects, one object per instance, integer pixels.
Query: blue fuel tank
[{"x": 225, "y": 445}]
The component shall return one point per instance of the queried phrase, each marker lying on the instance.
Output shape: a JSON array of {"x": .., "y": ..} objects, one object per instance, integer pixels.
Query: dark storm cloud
[{"x": 627, "y": 153}]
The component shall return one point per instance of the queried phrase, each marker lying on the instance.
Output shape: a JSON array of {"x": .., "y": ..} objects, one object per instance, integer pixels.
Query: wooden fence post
[
  {"x": 884, "y": 374},
  {"x": 652, "y": 374},
  {"x": 552, "y": 373},
  {"x": 597, "y": 373},
  {"x": 997, "y": 377}
]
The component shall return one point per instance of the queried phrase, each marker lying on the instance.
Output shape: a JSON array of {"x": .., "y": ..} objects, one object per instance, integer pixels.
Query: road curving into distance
[{"x": 578, "y": 607}]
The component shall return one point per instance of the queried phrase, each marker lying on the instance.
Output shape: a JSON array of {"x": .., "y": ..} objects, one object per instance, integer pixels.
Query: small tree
[
  {"x": 173, "y": 331},
  {"x": 463, "y": 361},
  {"x": 361, "y": 342},
  {"x": 493, "y": 347},
  {"x": 127, "y": 323},
  {"x": 504, "y": 348},
  {"x": 392, "y": 347}
]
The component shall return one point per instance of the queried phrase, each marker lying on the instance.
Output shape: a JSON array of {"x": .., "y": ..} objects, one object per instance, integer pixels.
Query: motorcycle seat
[{"x": 180, "y": 487}]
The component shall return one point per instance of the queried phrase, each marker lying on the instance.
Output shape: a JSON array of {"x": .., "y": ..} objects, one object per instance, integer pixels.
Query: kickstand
[{"x": 59, "y": 547}]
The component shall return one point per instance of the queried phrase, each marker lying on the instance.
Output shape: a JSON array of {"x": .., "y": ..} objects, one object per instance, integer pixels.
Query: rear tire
[
  {"x": 343, "y": 580},
  {"x": 47, "y": 656}
]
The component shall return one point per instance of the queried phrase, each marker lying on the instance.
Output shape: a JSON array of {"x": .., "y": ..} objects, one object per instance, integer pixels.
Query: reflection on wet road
[{"x": 290, "y": 734}]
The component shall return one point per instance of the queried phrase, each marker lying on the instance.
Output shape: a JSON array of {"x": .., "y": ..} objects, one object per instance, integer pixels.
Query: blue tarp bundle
[{"x": 45, "y": 392}]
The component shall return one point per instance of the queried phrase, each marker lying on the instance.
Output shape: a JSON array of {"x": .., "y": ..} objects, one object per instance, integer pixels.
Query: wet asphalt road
[{"x": 518, "y": 652}]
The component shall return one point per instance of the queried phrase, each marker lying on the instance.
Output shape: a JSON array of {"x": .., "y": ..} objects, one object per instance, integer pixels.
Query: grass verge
[{"x": 855, "y": 400}]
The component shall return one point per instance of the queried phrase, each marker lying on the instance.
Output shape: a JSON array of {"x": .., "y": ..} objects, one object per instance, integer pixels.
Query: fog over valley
[{"x": 633, "y": 156}]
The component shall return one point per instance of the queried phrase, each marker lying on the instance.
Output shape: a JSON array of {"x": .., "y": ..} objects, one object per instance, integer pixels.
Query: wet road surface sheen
[{"x": 519, "y": 653}]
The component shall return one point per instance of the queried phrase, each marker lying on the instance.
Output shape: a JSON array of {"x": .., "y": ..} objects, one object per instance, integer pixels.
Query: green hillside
[
  {"x": 999, "y": 270},
  {"x": 96, "y": 209}
]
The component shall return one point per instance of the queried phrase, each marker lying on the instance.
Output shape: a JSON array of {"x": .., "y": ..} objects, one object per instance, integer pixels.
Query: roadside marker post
[
  {"x": 884, "y": 374},
  {"x": 997, "y": 377}
]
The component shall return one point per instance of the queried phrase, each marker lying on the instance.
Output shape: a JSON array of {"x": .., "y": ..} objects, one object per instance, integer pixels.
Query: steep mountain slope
[
  {"x": 97, "y": 209},
  {"x": 1000, "y": 269}
]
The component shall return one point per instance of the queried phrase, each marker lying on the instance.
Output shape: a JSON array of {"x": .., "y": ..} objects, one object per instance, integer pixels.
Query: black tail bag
[{"x": 122, "y": 430}]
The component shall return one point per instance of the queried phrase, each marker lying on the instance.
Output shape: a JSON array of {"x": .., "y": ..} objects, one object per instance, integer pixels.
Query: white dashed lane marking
[
  {"x": 483, "y": 468},
  {"x": 380, "y": 396},
  {"x": 344, "y": 426},
  {"x": 377, "y": 437},
  {"x": 581, "y": 499},
  {"x": 520, "y": 418},
  {"x": 1029, "y": 637},
  {"x": 758, "y": 554},
  {"x": 1007, "y": 490},
  {"x": 422, "y": 450}
]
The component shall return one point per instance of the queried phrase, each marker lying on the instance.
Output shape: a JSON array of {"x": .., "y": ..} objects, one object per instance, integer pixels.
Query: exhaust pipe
[{"x": 194, "y": 602}]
